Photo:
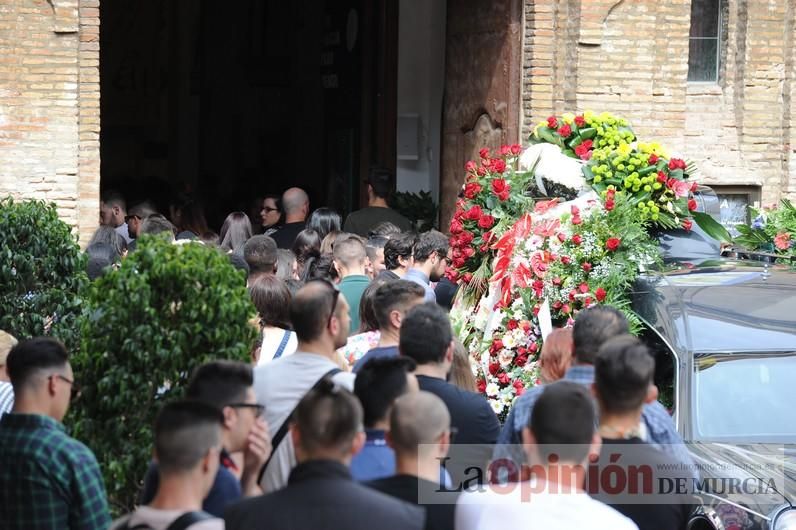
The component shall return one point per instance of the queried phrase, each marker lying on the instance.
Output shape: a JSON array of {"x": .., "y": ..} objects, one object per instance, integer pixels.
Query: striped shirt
[{"x": 6, "y": 397}]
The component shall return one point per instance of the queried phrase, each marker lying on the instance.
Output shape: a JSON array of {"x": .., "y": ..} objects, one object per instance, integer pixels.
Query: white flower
[
  {"x": 497, "y": 406},
  {"x": 492, "y": 389},
  {"x": 509, "y": 341},
  {"x": 505, "y": 357}
]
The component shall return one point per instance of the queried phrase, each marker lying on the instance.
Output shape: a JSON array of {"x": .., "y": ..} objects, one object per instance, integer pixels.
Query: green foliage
[
  {"x": 419, "y": 208},
  {"x": 712, "y": 227},
  {"x": 773, "y": 230},
  {"x": 42, "y": 272},
  {"x": 168, "y": 309}
]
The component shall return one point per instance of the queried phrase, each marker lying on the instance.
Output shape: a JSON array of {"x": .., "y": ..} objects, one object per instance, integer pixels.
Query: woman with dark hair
[
  {"x": 368, "y": 336},
  {"x": 320, "y": 268},
  {"x": 324, "y": 220},
  {"x": 188, "y": 215},
  {"x": 236, "y": 230},
  {"x": 112, "y": 239},
  {"x": 307, "y": 245},
  {"x": 271, "y": 214},
  {"x": 272, "y": 299}
]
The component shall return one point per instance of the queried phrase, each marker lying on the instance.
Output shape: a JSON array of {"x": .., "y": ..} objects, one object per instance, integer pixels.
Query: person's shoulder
[
  {"x": 388, "y": 507},
  {"x": 251, "y": 508},
  {"x": 604, "y": 516},
  {"x": 76, "y": 452}
]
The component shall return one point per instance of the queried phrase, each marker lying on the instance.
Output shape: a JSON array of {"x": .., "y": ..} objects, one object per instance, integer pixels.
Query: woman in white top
[{"x": 271, "y": 297}]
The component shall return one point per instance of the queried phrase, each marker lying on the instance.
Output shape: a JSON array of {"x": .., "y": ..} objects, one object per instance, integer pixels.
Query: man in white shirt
[
  {"x": 319, "y": 314},
  {"x": 562, "y": 424}
]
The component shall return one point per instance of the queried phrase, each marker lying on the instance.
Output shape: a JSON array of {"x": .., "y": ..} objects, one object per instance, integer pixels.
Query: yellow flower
[
  {"x": 588, "y": 115},
  {"x": 568, "y": 118},
  {"x": 542, "y": 123},
  {"x": 625, "y": 149}
]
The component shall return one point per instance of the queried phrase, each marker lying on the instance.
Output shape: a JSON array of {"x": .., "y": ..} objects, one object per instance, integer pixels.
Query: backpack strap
[
  {"x": 125, "y": 524},
  {"x": 184, "y": 521},
  {"x": 282, "y": 432},
  {"x": 282, "y": 345}
]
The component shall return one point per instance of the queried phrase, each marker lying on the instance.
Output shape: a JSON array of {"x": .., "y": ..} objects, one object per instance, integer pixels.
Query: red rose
[
  {"x": 577, "y": 239},
  {"x": 474, "y": 213},
  {"x": 505, "y": 150},
  {"x": 562, "y": 237},
  {"x": 484, "y": 153},
  {"x": 469, "y": 166},
  {"x": 557, "y": 305},
  {"x": 504, "y": 378},
  {"x": 487, "y": 237},
  {"x": 579, "y": 121},
  {"x": 653, "y": 159},
  {"x": 519, "y": 390},
  {"x": 552, "y": 122},
  {"x": 465, "y": 238},
  {"x": 557, "y": 281},
  {"x": 494, "y": 368},
  {"x": 692, "y": 205},
  {"x": 452, "y": 274},
  {"x": 583, "y": 150},
  {"x": 694, "y": 187},
  {"x": 661, "y": 177},
  {"x": 534, "y": 347},
  {"x": 467, "y": 277},
  {"x": 671, "y": 182},
  {"x": 501, "y": 189},
  {"x": 613, "y": 243},
  {"x": 472, "y": 189},
  {"x": 468, "y": 252},
  {"x": 480, "y": 171},
  {"x": 610, "y": 194},
  {"x": 522, "y": 351},
  {"x": 587, "y": 301},
  {"x": 574, "y": 210},
  {"x": 572, "y": 295},
  {"x": 496, "y": 346},
  {"x": 565, "y": 260},
  {"x": 676, "y": 163},
  {"x": 687, "y": 224},
  {"x": 586, "y": 267},
  {"x": 576, "y": 220},
  {"x": 515, "y": 149},
  {"x": 566, "y": 309},
  {"x": 583, "y": 288},
  {"x": 498, "y": 165},
  {"x": 459, "y": 262},
  {"x": 486, "y": 221},
  {"x": 565, "y": 131},
  {"x": 512, "y": 324},
  {"x": 518, "y": 385},
  {"x": 609, "y": 205},
  {"x": 521, "y": 360},
  {"x": 600, "y": 294},
  {"x": 456, "y": 227},
  {"x": 481, "y": 386}
]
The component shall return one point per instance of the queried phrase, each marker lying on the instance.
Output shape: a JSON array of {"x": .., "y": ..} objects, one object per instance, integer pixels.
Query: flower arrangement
[
  {"x": 492, "y": 199},
  {"x": 579, "y": 136},
  {"x": 773, "y": 230}
]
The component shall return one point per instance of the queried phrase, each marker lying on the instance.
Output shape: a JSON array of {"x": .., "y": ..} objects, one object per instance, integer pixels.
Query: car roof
[{"x": 720, "y": 305}]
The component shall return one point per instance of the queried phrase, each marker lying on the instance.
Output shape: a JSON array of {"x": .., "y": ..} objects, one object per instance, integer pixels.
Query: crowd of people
[{"x": 359, "y": 407}]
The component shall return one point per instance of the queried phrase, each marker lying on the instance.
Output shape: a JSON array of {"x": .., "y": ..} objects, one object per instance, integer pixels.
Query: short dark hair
[
  {"x": 378, "y": 384},
  {"x": 426, "y": 334},
  {"x": 156, "y": 224},
  {"x": 271, "y": 297},
  {"x": 400, "y": 246},
  {"x": 367, "y": 310},
  {"x": 311, "y": 308},
  {"x": 328, "y": 417},
  {"x": 563, "y": 421},
  {"x": 373, "y": 244},
  {"x": 114, "y": 198},
  {"x": 394, "y": 294},
  {"x": 594, "y": 326},
  {"x": 384, "y": 229},
  {"x": 220, "y": 383},
  {"x": 184, "y": 432},
  {"x": 260, "y": 253},
  {"x": 429, "y": 243},
  {"x": 623, "y": 372},
  {"x": 30, "y": 357},
  {"x": 380, "y": 180}
]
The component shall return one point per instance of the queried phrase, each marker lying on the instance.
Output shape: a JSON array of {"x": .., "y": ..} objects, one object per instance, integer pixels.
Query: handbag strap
[
  {"x": 282, "y": 432},
  {"x": 282, "y": 345}
]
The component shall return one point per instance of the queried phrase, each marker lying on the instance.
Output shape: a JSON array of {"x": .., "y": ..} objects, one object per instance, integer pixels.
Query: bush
[
  {"x": 168, "y": 309},
  {"x": 42, "y": 272}
]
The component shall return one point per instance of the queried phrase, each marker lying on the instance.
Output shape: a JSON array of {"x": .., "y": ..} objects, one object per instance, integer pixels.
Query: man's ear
[
  {"x": 52, "y": 386},
  {"x": 652, "y": 394},
  {"x": 396, "y": 317},
  {"x": 230, "y": 417},
  {"x": 358, "y": 443},
  {"x": 449, "y": 352},
  {"x": 337, "y": 267}
]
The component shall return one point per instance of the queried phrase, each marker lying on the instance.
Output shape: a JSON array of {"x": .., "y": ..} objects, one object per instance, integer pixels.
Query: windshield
[{"x": 745, "y": 396}]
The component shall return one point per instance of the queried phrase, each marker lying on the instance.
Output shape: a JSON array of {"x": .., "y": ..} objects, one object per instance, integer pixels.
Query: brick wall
[
  {"x": 631, "y": 58},
  {"x": 49, "y": 105}
]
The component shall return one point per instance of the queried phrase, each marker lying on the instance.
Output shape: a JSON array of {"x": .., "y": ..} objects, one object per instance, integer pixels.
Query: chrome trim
[{"x": 744, "y": 508}]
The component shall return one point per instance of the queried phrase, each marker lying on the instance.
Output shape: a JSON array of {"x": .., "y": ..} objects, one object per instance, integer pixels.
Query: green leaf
[
  {"x": 711, "y": 227},
  {"x": 550, "y": 136},
  {"x": 588, "y": 133}
]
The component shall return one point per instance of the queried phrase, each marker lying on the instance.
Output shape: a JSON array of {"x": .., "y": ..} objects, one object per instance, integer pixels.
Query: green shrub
[
  {"x": 419, "y": 208},
  {"x": 42, "y": 272},
  {"x": 168, "y": 309}
]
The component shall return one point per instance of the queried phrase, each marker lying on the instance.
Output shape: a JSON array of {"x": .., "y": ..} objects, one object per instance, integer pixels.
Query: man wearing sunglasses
[
  {"x": 227, "y": 385},
  {"x": 47, "y": 479},
  {"x": 319, "y": 315}
]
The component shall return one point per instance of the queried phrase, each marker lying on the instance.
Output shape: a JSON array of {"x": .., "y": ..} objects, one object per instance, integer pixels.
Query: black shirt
[
  {"x": 668, "y": 511},
  {"x": 285, "y": 236},
  {"x": 363, "y": 221},
  {"x": 476, "y": 424},
  {"x": 440, "y": 511}
]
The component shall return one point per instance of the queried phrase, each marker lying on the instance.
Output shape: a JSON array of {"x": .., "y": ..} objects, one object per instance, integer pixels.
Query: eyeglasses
[
  {"x": 258, "y": 409},
  {"x": 269, "y": 209},
  {"x": 75, "y": 388}
]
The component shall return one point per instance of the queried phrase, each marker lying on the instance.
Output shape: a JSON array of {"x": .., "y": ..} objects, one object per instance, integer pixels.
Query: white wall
[{"x": 421, "y": 78}]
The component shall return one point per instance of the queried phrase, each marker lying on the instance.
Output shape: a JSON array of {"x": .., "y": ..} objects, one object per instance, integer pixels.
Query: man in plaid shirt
[{"x": 47, "y": 479}]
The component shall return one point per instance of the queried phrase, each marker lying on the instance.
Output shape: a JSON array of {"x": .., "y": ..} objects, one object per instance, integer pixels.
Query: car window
[{"x": 744, "y": 395}]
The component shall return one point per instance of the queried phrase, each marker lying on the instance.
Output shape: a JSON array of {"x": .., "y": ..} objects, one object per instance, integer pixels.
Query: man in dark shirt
[
  {"x": 296, "y": 204},
  {"x": 420, "y": 432},
  {"x": 327, "y": 432},
  {"x": 391, "y": 301},
  {"x": 427, "y": 338},
  {"x": 377, "y": 211},
  {"x": 227, "y": 385},
  {"x": 397, "y": 256},
  {"x": 623, "y": 383}
]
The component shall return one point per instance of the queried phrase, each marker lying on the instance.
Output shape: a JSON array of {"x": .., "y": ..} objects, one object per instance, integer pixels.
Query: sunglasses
[{"x": 258, "y": 409}]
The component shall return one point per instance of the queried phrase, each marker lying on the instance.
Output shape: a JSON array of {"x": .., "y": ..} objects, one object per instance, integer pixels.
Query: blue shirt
[
  {"x": 661, "y": 431},
  {"x": 376, "y": 460},
  {"x": 376, "y": 353},
  {"x": 420, "y": 278}
]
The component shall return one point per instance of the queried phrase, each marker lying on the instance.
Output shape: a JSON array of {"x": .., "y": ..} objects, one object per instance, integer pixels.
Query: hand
[{"x": 258, "y": 449}]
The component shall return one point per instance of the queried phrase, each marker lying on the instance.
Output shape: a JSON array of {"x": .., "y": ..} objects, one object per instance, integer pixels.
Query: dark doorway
[{"x": 229, "y": 101}]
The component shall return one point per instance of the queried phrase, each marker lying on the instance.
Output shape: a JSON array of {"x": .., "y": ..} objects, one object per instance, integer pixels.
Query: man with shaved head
[
  {"x": 319, "y": 315},
  {"x": 350, "y": 259},
  {"x": 296, "y": 205},
  {"x": 420, "y": 435}
]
